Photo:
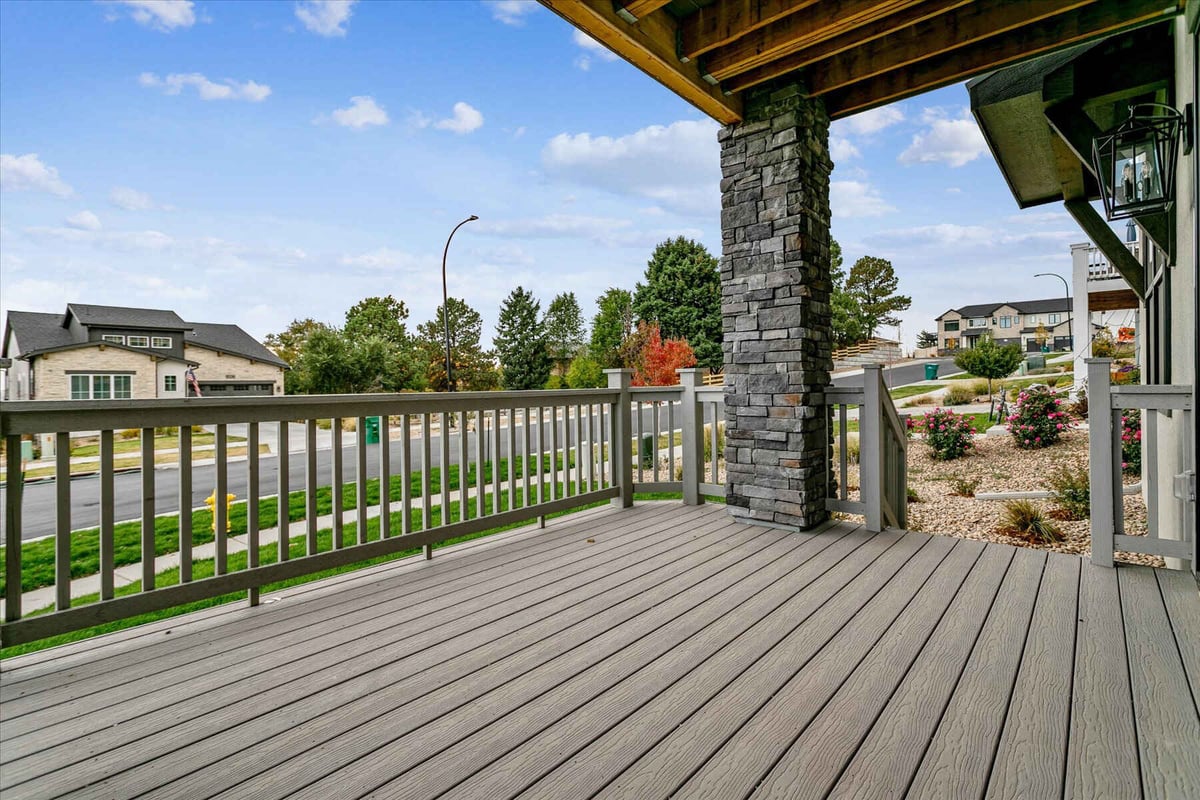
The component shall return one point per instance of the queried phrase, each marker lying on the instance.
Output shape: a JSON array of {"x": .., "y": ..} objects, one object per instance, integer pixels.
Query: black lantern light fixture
[{"x": 1136, "y": 161}]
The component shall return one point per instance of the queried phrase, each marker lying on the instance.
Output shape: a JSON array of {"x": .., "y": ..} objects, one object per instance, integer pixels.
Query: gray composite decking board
[
  {"x": 784, "y": 709},
  {"x": 233, "y": 667},
  {"x": 1179, "y": 592},
  {"x": 1102, "y": 750},
  {"x": 795, "y": 631},
  {"x": 590, "y": 667},
  {"x": 958, "y": 758},
  {"x": 817, "y": 756},
  {"x": 604, "y": 694},
  {"x": 885, "y": 761},
  {"x": 284, "y": 740},
  {"x": 1032, "y": 756},
  {"x": 1163, "y": 711},
  {"x": 471, "y": 650},
  {"x": 265, "y": 622}
]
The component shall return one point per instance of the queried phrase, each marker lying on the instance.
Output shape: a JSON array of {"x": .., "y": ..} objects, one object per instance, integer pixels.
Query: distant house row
[
  {"x": 1027, "y": 323},
  {"x": 94, "y": 352}
]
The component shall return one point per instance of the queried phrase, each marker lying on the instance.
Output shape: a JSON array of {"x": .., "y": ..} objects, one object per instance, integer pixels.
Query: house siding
[
  {"x": 52, "y": 370},
  {"x": 217, "y": 366}
]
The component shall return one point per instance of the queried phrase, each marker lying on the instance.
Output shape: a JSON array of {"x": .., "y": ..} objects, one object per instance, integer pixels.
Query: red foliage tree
[{"x": 657, "y": 360}]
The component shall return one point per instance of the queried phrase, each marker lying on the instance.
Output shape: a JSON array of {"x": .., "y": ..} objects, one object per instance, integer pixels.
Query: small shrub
[
  {"x": 556, "y": 382},
  {"x": 1070, "y": 491},
  {"x": 198, "y": 429},
  {"x": 963, "y": 487},
  {"x": 166, "y": 431},
  {"x": 852, "y": 450},
  {"x": 1023, "y": 520},
  {"x": 913, "y": 497},
  {"x": 1052, "y": 381},
  {"x": 1103, "y": 345},
  {"x": 948, "y": 435},
  {"x": 1127, "y": 376},
  {"x": 1080, "y": 407},
  {"x": 1131, "y": 441},
  {"x": 128, "y": 435},
  {"x": 922, "y": 400},
  {"x": 1039, "y": 420},
  {"x": 979, "y": 388},
  {"x": 958, "y": 395}
]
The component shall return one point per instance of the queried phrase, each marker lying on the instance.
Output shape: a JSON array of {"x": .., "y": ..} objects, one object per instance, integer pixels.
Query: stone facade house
[
  {"x": 1025, "y": 323},
  {"x": 92, "y": 352}
]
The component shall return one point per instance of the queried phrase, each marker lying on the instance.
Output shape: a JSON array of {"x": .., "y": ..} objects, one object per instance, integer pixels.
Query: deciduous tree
[
  {"x": 989, "y": 360},
  {"x": 378, "y": 316},
  {"x": 657, "y": 358},
  {"x": 612, "y": 324}
]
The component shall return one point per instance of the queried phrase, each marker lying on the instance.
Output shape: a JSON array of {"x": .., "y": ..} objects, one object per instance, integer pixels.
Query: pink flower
[{"x": 1059, "y": 426}]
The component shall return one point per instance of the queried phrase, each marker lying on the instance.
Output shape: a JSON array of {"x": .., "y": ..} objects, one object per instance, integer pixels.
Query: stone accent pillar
[{"x": 775, "y": 289}]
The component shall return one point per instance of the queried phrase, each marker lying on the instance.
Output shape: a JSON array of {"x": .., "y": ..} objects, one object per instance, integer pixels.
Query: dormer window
[
  {"x": 113, "y": 338},
  {"x": 139, "y": 341},
  {"x": 161, "y": 342}
]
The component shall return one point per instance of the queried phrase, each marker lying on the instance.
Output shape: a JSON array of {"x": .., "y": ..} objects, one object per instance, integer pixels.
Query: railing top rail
[
  {"x": 645, "y": 393},
  {"x": 48, "y": 416},
  {"x": 1151, "y": 397},
  {"x": 711, "y": 393},
  {"x": 843, "y": 394}
]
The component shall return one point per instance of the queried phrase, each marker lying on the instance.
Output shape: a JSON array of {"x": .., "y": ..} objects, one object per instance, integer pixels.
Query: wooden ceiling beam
[
  {"x": 640, "y": 8},
  {"x": 840, "y": 44},
  {"x": 799, "y": 31},
  {"x": 650, "y": 46},
  {"x": 727, "y": 20},
  {"x": 1097, "y": 20},
  {"x": 949, "y": 33}
]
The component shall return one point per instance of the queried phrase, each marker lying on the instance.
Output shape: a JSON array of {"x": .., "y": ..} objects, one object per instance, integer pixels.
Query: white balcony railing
[{"x": 505, "y": 457}]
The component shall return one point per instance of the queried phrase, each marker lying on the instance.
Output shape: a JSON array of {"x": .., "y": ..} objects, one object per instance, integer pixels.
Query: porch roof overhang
[{"x": 855, "y": 54}]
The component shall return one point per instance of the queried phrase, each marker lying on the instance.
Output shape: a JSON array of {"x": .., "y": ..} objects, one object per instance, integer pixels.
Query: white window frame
[
  {"x": 102, "y": 386},
  {"x": 113, "y": 338},
  {"x": 1052, "y": 319},
  {"x": 977, "y": 322},
  {"x": 144, "y": 340},
  {"x": 160, "y": 342}
]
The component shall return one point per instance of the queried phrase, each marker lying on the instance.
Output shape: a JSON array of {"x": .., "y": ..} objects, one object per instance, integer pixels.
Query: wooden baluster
[
  {"x": 405, "y": 474},
  {"x": 252, "y": 504},
  {"x": 464, "y": 469},
  {"x": 512, "y": 458},
  {"x": 385, "y": 476},
  {"x": 14, "y": 484},
  {"x": 108, "y": 499},
  {"x": 444, "y": 472},
  {"x": 62, "y": 518},
  {"x": 338, "y": 490},
  {"x": 283, "y": 506},
  {"x": 310, "y": 487},
  {"x": 220, "y": 509},
  {"x": 496, "y": 507},
  {"x": 360, "y": 479},
  {"x": 426, "y": 483},
  {"x": 480, "y": 479}
]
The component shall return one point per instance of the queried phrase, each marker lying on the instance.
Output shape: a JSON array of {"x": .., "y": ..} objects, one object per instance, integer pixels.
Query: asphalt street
[{"x": 901, "y": 374}]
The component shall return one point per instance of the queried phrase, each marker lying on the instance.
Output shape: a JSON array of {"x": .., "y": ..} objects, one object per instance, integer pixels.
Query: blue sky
[{"x": 262, "y": 161}]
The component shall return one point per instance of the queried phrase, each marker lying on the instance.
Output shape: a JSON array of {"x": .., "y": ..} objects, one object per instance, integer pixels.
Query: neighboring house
[
  {"x": 1026, "y": 323},
  {"x": 94, "y": 352}
]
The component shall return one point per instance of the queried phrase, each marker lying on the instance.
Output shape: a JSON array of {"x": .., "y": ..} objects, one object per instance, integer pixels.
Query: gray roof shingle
[
  {"x": 121, "y": 317},
  {"x": 36, "y": 331},
  {"x": 230, "y": 339}
]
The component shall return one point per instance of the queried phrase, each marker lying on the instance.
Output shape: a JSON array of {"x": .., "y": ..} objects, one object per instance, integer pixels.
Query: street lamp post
[
  {"x": 1067, "y": 296},
  {"x": 446, "y": 300}
]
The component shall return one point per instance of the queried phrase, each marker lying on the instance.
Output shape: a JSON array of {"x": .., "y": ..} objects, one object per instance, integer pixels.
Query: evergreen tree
[
  {"x": 845, "y": 315},
  {"x": 612, "y": 324},
  {"x": 682, "y": 295},
  {"x": 473, "y": 367},
  {"x": 521, "y": 342},
  {"x": 564, "y": 330},
  {"x": 926, "y": 339},
  {"x": 872, "y": 282}
]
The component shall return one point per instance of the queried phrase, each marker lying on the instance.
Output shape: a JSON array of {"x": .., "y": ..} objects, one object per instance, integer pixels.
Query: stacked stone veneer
[{"x": 775, "y": 304}]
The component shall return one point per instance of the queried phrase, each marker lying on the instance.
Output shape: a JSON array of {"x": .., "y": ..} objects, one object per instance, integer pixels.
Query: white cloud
[
  {"x": 84, "y": 221},
  {"x": 229, "y": 89},
  {"x": 592, "y": 49},
  {"x": 125, "y": 241},
  {"x": 607, "y": 231},
  {"x": 466, "y": 119},
  {"x": 866, "y": 123},
  {"x": 849, "y": 199},
  {"x": 951, "y": 141},
  {"x": 841, "y": 149},
  {"x": 325, "y": 17},
  {"x": 161, "y": 15},
  {"x": 362, "y": 112},
  {"x": 384, "y": 258},
  {"x": 677, "y": 166},
  {"x": 512, "y": 12},
  {"x": 130, "y": 199},
  {"x": 29, "y": 173}
]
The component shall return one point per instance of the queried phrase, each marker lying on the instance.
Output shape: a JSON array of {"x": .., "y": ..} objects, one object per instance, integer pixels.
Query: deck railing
[
  {"x": 882, "y": 459},
  {"x": 1107, "y": 405},
  {"x": 519, "y": 456}
]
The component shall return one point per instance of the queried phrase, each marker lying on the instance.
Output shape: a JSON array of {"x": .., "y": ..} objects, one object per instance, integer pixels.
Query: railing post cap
[
  {"x": 1097, "y": 361},
  {"x": 619, "y": 378},
  {"x": 872, "y": 366},
  {"x": 621, "y": 371}
]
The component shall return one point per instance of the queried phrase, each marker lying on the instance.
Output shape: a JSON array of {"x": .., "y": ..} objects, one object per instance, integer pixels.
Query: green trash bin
[
  {"x": 372, "y": 430},
  {"x": 931, "y": 372}
]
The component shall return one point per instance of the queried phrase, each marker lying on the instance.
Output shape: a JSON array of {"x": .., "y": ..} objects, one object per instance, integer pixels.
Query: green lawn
[
  {"x": 909, "y": 391},
  {"x": 37, "y": 558}
]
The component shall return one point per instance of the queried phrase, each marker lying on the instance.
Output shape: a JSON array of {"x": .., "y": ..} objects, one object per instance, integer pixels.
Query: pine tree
[
  {"x": 846, "y": 317},
  {"x": 521, "y": 342},
  {"x": 472, "y": 366},
  {"x": 926, "y": 339},
  {"x": 872, "y": 282},
  {"x": 682, "y": 295},
  {"x": 564, "y": 330}
]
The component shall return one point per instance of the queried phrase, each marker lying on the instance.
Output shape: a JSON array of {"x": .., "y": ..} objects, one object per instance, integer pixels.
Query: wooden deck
[{"x": 663, "y": 650}]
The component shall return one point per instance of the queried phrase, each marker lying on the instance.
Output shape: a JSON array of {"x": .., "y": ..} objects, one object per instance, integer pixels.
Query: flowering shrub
[
  {"x": 947, "y": 434},
  {"x": 1131, "y": 441},
  {"x": 1039, "y": 420}
]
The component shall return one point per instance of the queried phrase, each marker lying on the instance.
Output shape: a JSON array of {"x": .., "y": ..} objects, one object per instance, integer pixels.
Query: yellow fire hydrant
[{"x": 211, "y": 502}]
